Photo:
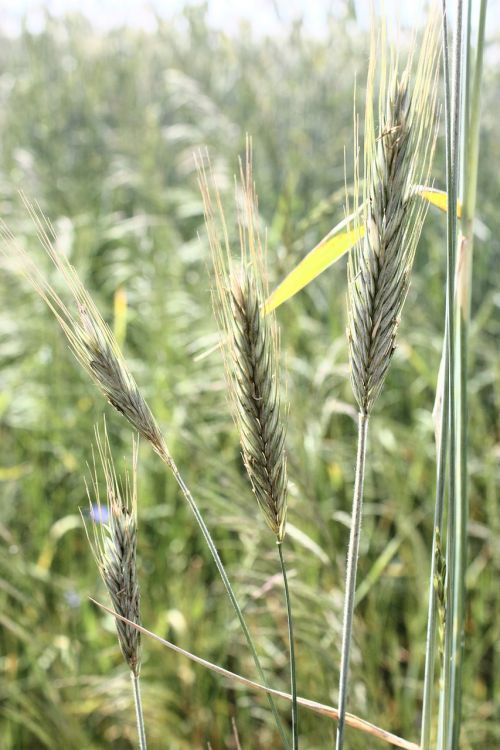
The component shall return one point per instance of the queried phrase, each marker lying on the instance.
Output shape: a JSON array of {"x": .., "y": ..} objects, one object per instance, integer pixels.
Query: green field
[{"x": 100, "y": 129}]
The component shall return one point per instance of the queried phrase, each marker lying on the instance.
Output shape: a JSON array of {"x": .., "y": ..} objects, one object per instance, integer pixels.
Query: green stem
[
  {"x": 138, "y": 711},
  {"x": 430, "y": 651},
  {"x": 471, "y": 122},
  {"x": 470, "y": 180},
  {"x": 293, "y": 679},
  {"x": 222, "y": 572},
  {"x": 352, "y": 564},
  {"x": 452, "y": 117}
]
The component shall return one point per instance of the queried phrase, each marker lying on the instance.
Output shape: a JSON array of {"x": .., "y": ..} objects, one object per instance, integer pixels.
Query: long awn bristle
[
  {"x": 251, "y": 348},
  {"x": 91, "y": 340},
  {"x": 96, "y": 349},
  {"x": 251, "y": 353},
  {"x": 397, "y": 158},
  {"x": 114, "y": 546}
]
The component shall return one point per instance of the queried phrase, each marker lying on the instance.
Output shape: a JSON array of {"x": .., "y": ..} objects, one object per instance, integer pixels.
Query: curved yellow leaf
[
  {"x": 326, "y": 252},
  {"x": 334, "y": 246},
  {"x": 439, "y": 199},
  {"x": 120, "y": 315}
]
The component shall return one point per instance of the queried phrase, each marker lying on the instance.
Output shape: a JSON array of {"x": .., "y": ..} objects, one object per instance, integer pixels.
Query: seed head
[
  {"x": 251, "y": 347},
  {"x": 114, "y": 543},
  {"x": 397, "y": 157},
  {"x": 90, "y": 339}
]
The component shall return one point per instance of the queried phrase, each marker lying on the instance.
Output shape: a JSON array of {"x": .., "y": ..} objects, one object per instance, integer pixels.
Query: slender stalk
[
  {"x": 136, "y": 689},
  {"x": 455, "y": 362},
  {"x": 454, "y": 546},
  {"x": 293, "y": 679},
  {"x": 222, "y": 572},
  {"x": 352, "y": 564},
  {"x": 452, "y": 118},
  {"x": 430, "y": 651},
  {"x": 470, "y": 126},
  {"x": 471, "y": 167}
]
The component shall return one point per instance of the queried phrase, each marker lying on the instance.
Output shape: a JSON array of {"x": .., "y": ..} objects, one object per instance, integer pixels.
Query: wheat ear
[
  {"x": 397, "y": 158},
  {"x": 113, "y": 541},
  {"x": 251, "y": 356}
]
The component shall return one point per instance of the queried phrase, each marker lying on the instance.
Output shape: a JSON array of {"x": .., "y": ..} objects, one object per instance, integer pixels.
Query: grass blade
[
  {"x": 331, "y": 248},
  {"x": 438, "y": 198}
]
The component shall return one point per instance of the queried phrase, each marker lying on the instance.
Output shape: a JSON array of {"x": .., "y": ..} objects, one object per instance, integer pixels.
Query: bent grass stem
[{"x": 319, "y": 708}]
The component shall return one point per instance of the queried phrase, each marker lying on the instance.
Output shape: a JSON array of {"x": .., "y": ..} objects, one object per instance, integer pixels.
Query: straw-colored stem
[
  {"x": 462, "y": 283},
  {"x": 222, "y": 572},
  {"x": 141, "y": 731},
  {"x": 293, "y": 678},
  {"x": 352, "y": 564},
  {"x": 319, "y": 708}
]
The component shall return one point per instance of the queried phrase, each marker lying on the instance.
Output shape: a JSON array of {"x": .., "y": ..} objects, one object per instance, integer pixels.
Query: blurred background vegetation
[{"x": 100, "y": 127}]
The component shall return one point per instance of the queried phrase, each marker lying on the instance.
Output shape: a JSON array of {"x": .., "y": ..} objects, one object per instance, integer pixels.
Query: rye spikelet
[
  {"x": 114, "y": 542},
  {"x": 251, "y": 347},
  {"x": 90, "y": 339},
  {"x": 397, "y": 158}
]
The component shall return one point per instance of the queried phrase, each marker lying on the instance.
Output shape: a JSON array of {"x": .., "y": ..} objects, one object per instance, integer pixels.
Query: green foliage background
[{"x": 100, "y": 128}]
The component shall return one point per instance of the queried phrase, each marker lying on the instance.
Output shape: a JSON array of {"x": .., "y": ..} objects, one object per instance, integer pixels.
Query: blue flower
[{"x": 99, "y": 513}]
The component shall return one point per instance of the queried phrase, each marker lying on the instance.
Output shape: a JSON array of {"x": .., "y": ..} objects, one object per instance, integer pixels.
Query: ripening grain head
[
  {"x": 251, "y": 346},
  {"x": 398, "y": 153},
  {"x": 113, "y": 540},
  {"x": 90, "y": 339}
]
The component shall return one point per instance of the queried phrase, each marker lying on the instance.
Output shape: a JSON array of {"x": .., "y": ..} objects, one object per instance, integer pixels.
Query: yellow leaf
[
  {"x": 439, "y": 199},
  {"x": 12, "y": 473},
  {"x": 120, "y": 315},
  {"x": 334, "y": 246},
  {"x": 326, "y": 252}
]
